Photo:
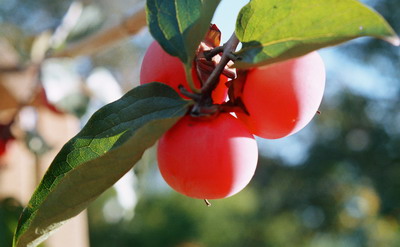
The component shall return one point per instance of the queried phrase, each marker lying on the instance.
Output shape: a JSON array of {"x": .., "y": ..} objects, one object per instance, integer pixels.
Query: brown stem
[
  {"x": 211, "y": 53},
  {"x": 208, "y": 204},
  {"x": 213, "y": 80},
  {"x": 188, "y": 94}
]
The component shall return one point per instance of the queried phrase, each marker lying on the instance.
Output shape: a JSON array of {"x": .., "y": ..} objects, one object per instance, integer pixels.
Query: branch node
[
  {"x": 213, "y": 80},
  {"x": 232, "y": 56},
  {"x": 211, "y": 53}
]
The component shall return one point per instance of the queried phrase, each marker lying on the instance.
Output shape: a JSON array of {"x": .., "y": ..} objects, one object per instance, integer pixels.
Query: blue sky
[{"x": 225, "y": 16}]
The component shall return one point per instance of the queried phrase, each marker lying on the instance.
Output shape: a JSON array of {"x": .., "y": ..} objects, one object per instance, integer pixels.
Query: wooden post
[{"x": 18, "y": 177}]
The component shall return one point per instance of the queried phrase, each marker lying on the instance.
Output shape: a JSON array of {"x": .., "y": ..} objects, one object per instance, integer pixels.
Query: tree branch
[
  {"x": 213, "y": 80},
  {"x": 205, "y": 105},
  {"x": 98, "y": 41}
]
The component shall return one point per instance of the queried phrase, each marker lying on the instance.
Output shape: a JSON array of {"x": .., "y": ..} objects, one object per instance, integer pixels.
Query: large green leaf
[
  {"x": 180, "y": 25},
  {"x": 108, "y": 146},
  {"x": 276, "y": 30}
]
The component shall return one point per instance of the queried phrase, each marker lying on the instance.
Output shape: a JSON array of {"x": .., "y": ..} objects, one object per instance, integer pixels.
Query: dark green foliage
[
  {"x": 10, "y": 209},
  {"x": 273, "y": 31},
  {"x": 180, "y": 25},
  {"x": 339, "y": 196},
  {"x": 344, "y": 194},
  {"x": 110, "y": 144}
]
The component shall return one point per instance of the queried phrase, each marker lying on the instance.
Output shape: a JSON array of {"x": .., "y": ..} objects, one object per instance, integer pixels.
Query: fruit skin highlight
[
  {"x": 208, "y": 159},
  {"x": 282, "y": 98},
  {"x": 159, "y": 66}
]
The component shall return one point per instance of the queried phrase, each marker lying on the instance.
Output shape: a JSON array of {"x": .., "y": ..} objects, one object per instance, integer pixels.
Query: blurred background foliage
[{"x": 336, "y": 183}]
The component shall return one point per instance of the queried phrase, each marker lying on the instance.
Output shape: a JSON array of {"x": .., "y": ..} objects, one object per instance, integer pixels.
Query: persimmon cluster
[{"x": 215, "y": 156}]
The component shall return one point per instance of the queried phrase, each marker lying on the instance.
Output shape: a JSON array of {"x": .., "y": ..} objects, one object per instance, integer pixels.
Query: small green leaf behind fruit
[
  {"x": 180, "y": 25},
  {"x": 277, "y": 30},
  {"x": 109, "y": 145}
]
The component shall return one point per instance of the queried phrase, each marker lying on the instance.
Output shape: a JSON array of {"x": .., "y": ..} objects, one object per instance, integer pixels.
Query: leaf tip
[{"x": 394, "y": 40}]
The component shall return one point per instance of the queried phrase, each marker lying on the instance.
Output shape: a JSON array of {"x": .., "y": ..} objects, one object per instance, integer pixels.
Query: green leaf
[
  {"x": 180, "y": 25},
  {"x": 109, "y": 145},
  {"x": 276, "y": 30}
]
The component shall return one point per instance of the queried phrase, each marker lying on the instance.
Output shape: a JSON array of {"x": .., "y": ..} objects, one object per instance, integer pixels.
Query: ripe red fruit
[
  {"x": 5, "y": 137},
  {"x": 282, "y": 98},
  {"x": 3, "y": 145},
  {"x": 159, "y": 66},
  {"x": 208, "y": 159}
]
